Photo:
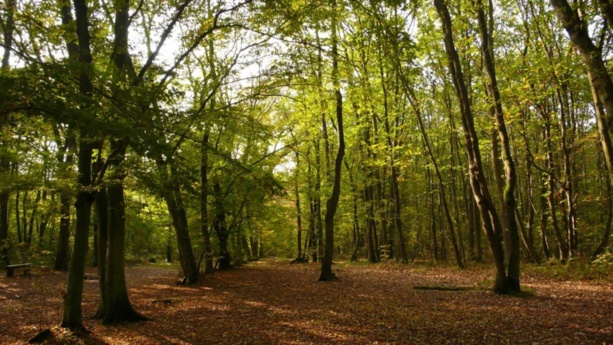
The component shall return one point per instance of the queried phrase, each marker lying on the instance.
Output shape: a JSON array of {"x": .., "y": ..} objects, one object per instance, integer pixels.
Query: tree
[
  {"x": 600, "y": 80},
  {"x": 489, "y": 215},
  {"x": 5, "y": 163},
  {"x": 487, "y": 48},
  {"x": 74, "y": 292},
  {"x": 332, "y": 203}
]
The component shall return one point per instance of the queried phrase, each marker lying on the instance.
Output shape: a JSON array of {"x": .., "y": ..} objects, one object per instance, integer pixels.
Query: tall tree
[
  {"x": 74, "y": 291},
  {"x": 487, "y": 49},
  {"x": 332, "y": 203},
  {"x": 5, "y": 163},
  {"x": 599, "y": 77},
  {"x": 117, "y": 306},
  {"x": 478, "y": 183}
]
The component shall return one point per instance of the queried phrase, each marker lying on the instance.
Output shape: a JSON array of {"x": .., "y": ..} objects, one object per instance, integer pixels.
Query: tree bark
[
  {"x": 117, "y": 306},
  {"x": 489, "y": 216},
  {"x": 74, "y": 292},
  {"x": 332, "y": 203},
  {"x": 5, "y": 163},
  {"x": 204, "y": 203},
  {"x": 507, "y": 158},
  {"x": 599, "y": 77},
  {"x": 174, "y": 202},
  {"x": 221, "y": 228}
]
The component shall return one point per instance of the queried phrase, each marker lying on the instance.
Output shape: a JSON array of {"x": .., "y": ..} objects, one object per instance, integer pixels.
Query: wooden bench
[{"x": 10, "y": 269}]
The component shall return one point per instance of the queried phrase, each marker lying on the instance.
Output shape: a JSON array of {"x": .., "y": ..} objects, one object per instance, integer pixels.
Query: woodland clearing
[{"x": 274, "y": 302}]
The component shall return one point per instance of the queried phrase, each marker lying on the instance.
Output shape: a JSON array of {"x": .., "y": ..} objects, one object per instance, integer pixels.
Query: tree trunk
[
  {"x": 507, "y": 158},
  {"x": 489, "y": 216},
  {"x": 607, "y": 226},
  {"x": 5, "y": 163},
  {"x": 74, "y": 292},
  {"x": 18, "y": 227},
  {"x": 298, "y": 211},
  {"x": 102, "y": 214},
  {"x": 599, "y": 77},
  {"x": 117, "y": 306},
  {"x": 204, "y": 203},
  {"x": 433, "y": 235},
  {"x": 33, "y": 215},
  {"x": 62, "y": 255},
  {"x": 65, "y": 156},
  {"x": 174, "y": 202},
  {"x": 221, "y": 228},
  {"x": 332, "y": 203}
]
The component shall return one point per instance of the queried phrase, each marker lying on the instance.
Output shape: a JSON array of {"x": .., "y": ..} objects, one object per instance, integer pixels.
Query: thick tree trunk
[
  {"x": 5, "y": 163},
  {"x": 117, "y": 306},
  {"x": 607, "y": 224},
  {"x": 74, "y": 292},
  {"x": 599, "y": 77},
  {"x": 179, "y": 220}
]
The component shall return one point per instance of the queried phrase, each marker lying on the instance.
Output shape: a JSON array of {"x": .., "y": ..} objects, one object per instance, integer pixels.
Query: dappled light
[
  {"x": 273, "y": 302},
  {"x": 306, "y": 172}
]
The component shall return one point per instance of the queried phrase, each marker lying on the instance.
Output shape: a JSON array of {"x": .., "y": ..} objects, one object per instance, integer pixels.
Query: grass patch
[{"x": 573, "y": 270}]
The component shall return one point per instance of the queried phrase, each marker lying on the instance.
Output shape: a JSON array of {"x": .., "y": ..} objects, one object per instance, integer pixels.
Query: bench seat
[{"x": 10, "y": 269}]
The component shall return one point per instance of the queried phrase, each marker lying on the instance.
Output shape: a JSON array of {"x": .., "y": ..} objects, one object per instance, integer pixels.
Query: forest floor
[{"x": 273, "y": 302}]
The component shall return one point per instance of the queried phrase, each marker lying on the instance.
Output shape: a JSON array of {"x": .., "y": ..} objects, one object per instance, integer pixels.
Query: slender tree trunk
[
  {"x": 371, "y": 227},
  {"x": 332, "y": 203},
  {"x": 62, "y": 255},
  {"x": 607, "y": 224},
  {"x": 20, "y": 238},
  {"x": 489, "y": 216},
  {"x": 507, "y": 158},
  {"x": 204, "y": 203},
  {"x": 33, "y": 215},
  {"x": 102, "y": 209},
  {"x": 433, "y": 235},
  {"x": 221, "y": 228},
  {"x": 298, "y": 210},
  {"x": 551, "y": 188}
]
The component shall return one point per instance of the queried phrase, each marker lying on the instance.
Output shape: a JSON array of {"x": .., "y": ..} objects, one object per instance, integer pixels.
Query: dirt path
[{"x": 273, "y": 302}]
